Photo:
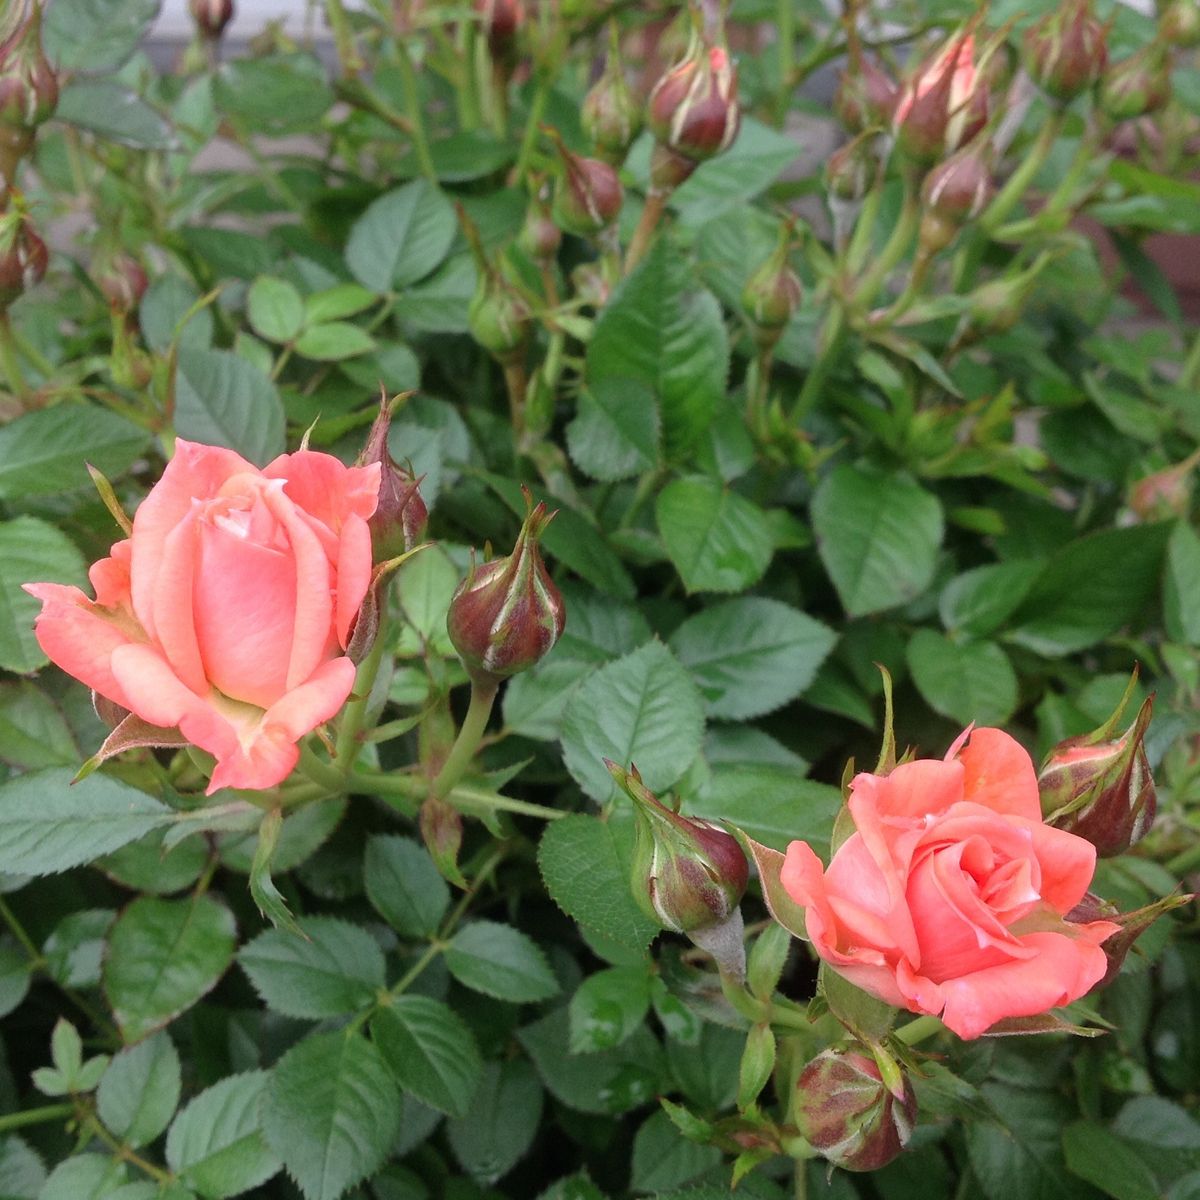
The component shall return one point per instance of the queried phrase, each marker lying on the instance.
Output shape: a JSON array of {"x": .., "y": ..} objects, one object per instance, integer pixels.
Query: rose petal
[
  {"x": 914, "y": 791},
  {"x": 353, "y": 574},
  {"x": 325, "y": 488},
  {"x": 172, "y": 603},
  {"x": 999, "y": 774}
]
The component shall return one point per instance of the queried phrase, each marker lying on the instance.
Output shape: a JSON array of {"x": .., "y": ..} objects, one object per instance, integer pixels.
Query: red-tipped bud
[
  {"x": 1166, "y": 494},
  {"x": 693, "y": 108},
  {"x": 688, "y": 875},
  {"x": 28, "y": 83},
  {"x": 122, "y": 281},
  {"x": 501, "y": 20},
  {"x": 846, "y": 1112},
  {"x": 507, "y": 614},
  {"x": 400, "y": 516},
  {"x": 852, "y": 169},
  {"x": 944, "y": 104},
  {"x": 1179, "y": 24},
  {"x": 1137, "y": 85},
  {"x": 211, "y": 16},
  {"x": 1066, "y": 52},
  {"x": 1099, "y": 787},
  {"x": 610, "y": 116},
  {"x": 865, "y": 98},
  {"x": 23, "y": 256},
  {"x": 540, "y": 237},
  {"x": 953, "y": 192},
  {"x": 772, "y": 293},
  {"x": 588, "y": 196},
  {"x": 1132, "y": 925}
]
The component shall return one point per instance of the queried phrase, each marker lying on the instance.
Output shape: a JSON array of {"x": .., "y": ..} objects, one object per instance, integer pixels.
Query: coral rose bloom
[
  {"x": 950, "y": 896},
  {"x": 226, "y": 613}
]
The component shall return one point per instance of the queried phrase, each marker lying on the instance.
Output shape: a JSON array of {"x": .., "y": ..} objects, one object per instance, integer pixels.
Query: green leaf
[
  {"x": 49, "y": 825},
  {"x": 979, "y": 601},
  {"x": 163, "y": 956},
  {"x": 74, "y": 950},
  {"x": 1091, "y": 588},
  {"x": 501, "y": 1123},
  {"x": 280, "y": 93},
  {"x": 878, "y": 536},
  {"x": 334, "y": 968},
  {"x": 616, "y": 428},
  {"x": 608, "y": 1007},
  {"x": 21, "y": 1169},
  {"x": 84, "y": 1177},
  {"x": 585, "y": 863},
  {"x": 501, "y": 962},
  {"x": 140, "y": 1090},
  {"x": 404, "y": 886},
  {"x": 751, "y": 655},
  {"x": 333, "y": 342},
  {"x": 113, "y": 112},
  {"x": 430, "y": 1051},
  {"x": 661, "y": 330},
  {"x": 14, "y": 977},
  {"x": 167, "y": 302},
  {"x": 331, "y": 1112},
  {"x": 337, "y": 302},
  {"x": 1094, "y": 1154},
  {"x": 33, "y": 731},
  {"x": 718, "y": 540},
  {"x": 275, "y": 309},
  {"x": 47, "y": 451},
  {"x": 146, "y": 866},
  {"x": 223, "y": 400},
  {"x": 965, "y": 681},
  {"x": 216, "y": 1144},
  {"x": 95, "y": 35},
  {"x": 401, "y": 238},
  {"x": 663, "y": 1158},
  {"x": 1181, "y": 613},
  {"x": 535, "y": 701},
  {"x": 31, "y": 551},
  {"x": 642, "y": 709}
]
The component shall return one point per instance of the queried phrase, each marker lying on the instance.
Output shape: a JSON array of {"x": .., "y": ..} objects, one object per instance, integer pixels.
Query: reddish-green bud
[
  {"x": 1137, "y": 85},
  {"x": 1179, "y": 24},
  {"x": 1166, "y": 494},
  {"x": 852, "y": 169},
  {"x": 28, "y": 83},
  {"x": 23, "y": 256},
  {"x": 501, "y": 20},
  {"x": 693, "y": 108},
  {"x": 400, "y": 516},
  {"x": 1066, "y": 52},
  {"x": 846, "y": 1112},
  {"x": 588, "y": 196},
  {"x": 592, "y": 284},
  {"x": 944, "y": 104},
  {"x": 688, "y": 875},
  {"x": 211, "y": 16},
  {"x": 953, "y": 192},
  {"x": 1099, "y": 787},
  {"x": 865, "y": 98},
  {"x": 540, "y": 237},
  {"x": 507, "y": 614},
  {"x": 610, "y": 115},
  {"x": 122, "y": 281},
  {"x": 772, "y": 293},
  {"x": 1133, "y": 924}
]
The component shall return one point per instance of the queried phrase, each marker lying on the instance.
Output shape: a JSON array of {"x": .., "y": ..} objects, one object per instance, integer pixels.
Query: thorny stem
[
  {"x": 412, "y": 110},
  {"x": 462, "y": 753},
  {"x": 35, "y": 1116},
  {"x": 656, "y": 203},
  {"x": 1018, "y": 182},
  {"x": 516, "y": 383},
  {"x": 353, "y": 719},
  {"x": 828, "y": 344}
]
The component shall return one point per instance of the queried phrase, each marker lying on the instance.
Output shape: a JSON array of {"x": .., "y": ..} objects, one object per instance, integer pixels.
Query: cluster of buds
[
  {"x": 954, "y": 192},
  {"x": 1137, "y": 85},
  {"x": 865, "y": 97},
  {"x": 944, "y": 104},
  {"x": 211, "y": 17},
  {"x": 23, "y": 255},
  {"x": 1098, "y": 786},
  {"x": 847, "y": 1113},
  {"x": 610, "y": 115},
  {"x": 28, "y": 90},
  {"x": 1066, "y": 52},
  {"x": 507, "y": 614},
  {"x": 772, "y": 293},
  {"x": 588, "y": 196}
]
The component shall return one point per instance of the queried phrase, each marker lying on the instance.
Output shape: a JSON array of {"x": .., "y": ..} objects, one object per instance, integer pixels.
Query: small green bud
[
  {"x": 540, "y": 237},
  {"x": 588, "y": 196},
  {"x": 852, "y": 169},
  {"x": 1137, "y": 85},
  {"x": 1179, "y": 24},
  {"x": 23, "y": 255},
  {"x": 1066, "y": 52},
  {"x": 772, "y": 294},
  {"x": 865, "y": 98},
  {"x": 610, "y": 115}
]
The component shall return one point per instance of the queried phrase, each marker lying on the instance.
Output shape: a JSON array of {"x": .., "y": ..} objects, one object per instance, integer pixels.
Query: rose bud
[
  {"x": 610, "y": 115},
  {"x": 1100, "y": 788},
  {"x": 772, "y": 293},
  {"x": 693, "y": 108},
  {"x": 23, "y": 256},
  {"x": 501, "y": 20},
  {"x": 123, "y": 282},
  {"x": 852, "y": 169},
  {"x": 588, "y": 196},
  {"x": 507, "y": 614},
  {"x": 953, "y": 192},
  {"x": 944, "y": 104},
  {"x": 211, "y": 16},
  {"x": 1179, "y": 24},
  {"x": 1066, "y": 52},
  {"x": 591, "y": 284},
  {"x": 688, "y": 875},
  {"x": 1137, "y": 85},
  {"x": 540, "y": 237},
  {"x": 865, "y": 97},
  {"x": 498, "y": 316},
  {"x": 28, "y": 83},
  {"x": 1167, "y": 493},
  {"x": 846, "y": 1112},
  {"x": 400, "y": 516},
  {"x": 1130, "y": 926}
]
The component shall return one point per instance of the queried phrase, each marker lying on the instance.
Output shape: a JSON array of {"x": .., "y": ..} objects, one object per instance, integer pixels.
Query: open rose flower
[
  {"x": 226, "y": 613},
  {"x": 950, "y": 897}
]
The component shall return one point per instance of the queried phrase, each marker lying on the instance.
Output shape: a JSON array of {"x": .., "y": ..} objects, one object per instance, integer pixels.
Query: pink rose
[
  {"x": 227, "y": 611},
  {"x": 950, "y": 897}
]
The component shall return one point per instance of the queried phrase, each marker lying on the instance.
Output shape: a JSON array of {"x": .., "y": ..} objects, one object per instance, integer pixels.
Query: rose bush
[
  {"x": 227, "y": 611},
  {"x": 950, "y": 896}
]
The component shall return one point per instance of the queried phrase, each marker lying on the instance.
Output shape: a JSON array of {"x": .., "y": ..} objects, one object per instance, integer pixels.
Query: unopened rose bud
[
  {"x": 211, "y": 16},
  {"x": 865, "y": 98},
  {"x": 23, "y": 256},
  {"x": 507, "y": 614},
  {"x": 1166, "y": 494},
  {"x": 953, "y": 192},
  {"x": 28, "y": 83},
  {"x": 122, "y": 281},
  {"x": 998, "y": 304},
  {"x": 847, "y": 1114},
  {"x": 1179, "y": 24},
  {"x": 693, "y": 108},
  {"x": 1066, "y": 52},
  {"x": 501, "y": 21},
  {"x": 688, "y": 875},
  {"x": 540, "y": 237},
  {"x": 591, "y": 285},
  {"x": 588, "y": 196},
  {"x": 610, "y": 115},
  {"x": 772, "y": 294},
  {"x": 1100, "y": 788},
  {"x": 852, "y": 169},
  {"x": 1137, "y": 85},
  {"x": 400, "y": 516},
  {"x": 498, "y": 316},
  {"x": 943, "y": 105},
  {"x": 1132, "y": 925}
]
